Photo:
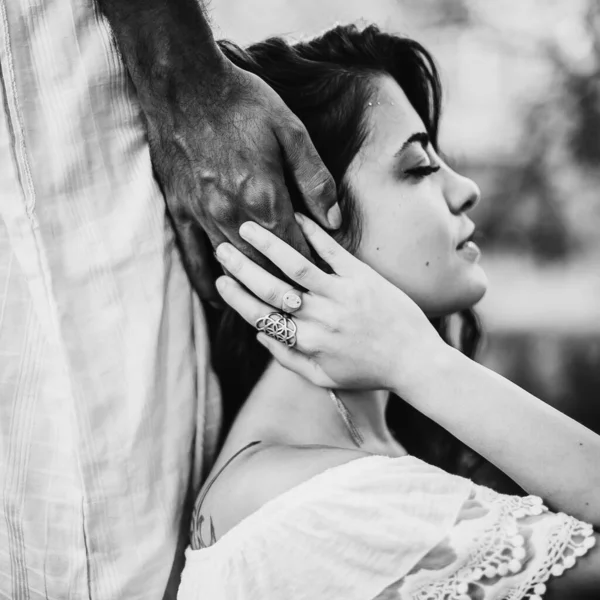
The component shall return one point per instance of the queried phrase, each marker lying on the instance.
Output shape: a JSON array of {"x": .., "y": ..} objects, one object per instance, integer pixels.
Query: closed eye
[{"x": 421, "y": 172}]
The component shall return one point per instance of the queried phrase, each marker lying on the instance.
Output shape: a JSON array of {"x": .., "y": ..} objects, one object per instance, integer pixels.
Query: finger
[
  {"x": 269, "y": 206},
  {"x": 284, "y": 225},
  {"x": 200, "y": 269},
  {"x": 262, "y": 284},
  {"x": 292, "y": 263},
  {"x": 294, "y": 360},
  {"x": 310, "y": 175},
  {"x": 250, "y": 308},
  {"x": 337, "y": 257}
]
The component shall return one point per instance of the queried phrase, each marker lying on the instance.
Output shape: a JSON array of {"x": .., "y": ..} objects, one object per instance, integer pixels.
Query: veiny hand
[
  {"x": 219, "y": 152},
  {"x": 354, "y": 328}
]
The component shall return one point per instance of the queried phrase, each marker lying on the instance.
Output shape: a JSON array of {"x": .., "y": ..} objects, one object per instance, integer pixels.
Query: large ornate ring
[
  {"x": 279, "y": 327},
  {"x": 291, "y": 301}
]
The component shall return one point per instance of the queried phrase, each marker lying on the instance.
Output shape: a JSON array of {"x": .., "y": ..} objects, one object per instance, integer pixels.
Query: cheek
[
  {"x": 409, "y": 246},
  {"x": 415, "y": 250}
]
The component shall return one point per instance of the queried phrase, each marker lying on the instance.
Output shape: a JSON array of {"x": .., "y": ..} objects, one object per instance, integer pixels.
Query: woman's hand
[{"x": 354, "y": 328}]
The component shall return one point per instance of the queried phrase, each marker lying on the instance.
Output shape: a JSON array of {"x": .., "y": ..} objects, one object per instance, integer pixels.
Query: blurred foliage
[
  {"x": 561, "y": 369},
  {"x": 582, "y": 87},
  {"x": 545, "y": 195},
  {"x": 543, "y": 201}
]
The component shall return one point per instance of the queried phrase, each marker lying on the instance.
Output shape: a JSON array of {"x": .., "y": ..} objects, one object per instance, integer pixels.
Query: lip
[
  {"x": 467, "y": 238},
  {"x": 470, "y": 252}
]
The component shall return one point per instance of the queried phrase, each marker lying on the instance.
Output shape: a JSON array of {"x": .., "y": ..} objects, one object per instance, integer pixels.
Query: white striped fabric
[{"x": 104, "y": 376}]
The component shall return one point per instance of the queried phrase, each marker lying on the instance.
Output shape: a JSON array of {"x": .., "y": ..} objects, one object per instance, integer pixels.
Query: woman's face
[{"x": 414, "y": 220}]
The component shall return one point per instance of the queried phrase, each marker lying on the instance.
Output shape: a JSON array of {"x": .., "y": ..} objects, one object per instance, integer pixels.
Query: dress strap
[{"x": 196, "y": 518}]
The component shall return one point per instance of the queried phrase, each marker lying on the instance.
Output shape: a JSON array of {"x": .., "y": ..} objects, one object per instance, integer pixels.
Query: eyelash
[{"x": 421, "y": 172}]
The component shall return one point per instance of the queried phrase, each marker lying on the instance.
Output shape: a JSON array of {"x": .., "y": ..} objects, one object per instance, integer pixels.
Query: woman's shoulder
[{"x": 254, "y": 479}]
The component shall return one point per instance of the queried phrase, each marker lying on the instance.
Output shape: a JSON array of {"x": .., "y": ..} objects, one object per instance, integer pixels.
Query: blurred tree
[
  {"x": 441, "y": 15},
  {"x": 583, "y": 86},
  {"x": 562, "y": 370},
  {"x": 545, "y": 203}
]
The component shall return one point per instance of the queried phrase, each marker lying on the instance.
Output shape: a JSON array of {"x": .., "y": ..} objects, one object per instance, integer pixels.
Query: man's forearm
[{"x": 167, "y": 45}]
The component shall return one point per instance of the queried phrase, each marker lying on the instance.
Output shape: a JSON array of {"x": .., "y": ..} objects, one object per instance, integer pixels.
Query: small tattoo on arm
[{"x": 197, "y": 541}]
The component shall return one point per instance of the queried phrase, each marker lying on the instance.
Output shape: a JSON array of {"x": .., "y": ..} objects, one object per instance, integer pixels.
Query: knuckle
[
  {"x": 323, "y": 184},
  {"x": 328, "y": 251},
  {"x": 254, "y": 203},
  {"x": 223, "y": 211},
  {"x": 257, "y": 195},
  {"x": 300, "y": 272},
  {"x": 271, "y": 296},
  {"x": 272, "y": 207},
  {"x": 297, "y": 133},
  {"x": 308, "y": 341}
]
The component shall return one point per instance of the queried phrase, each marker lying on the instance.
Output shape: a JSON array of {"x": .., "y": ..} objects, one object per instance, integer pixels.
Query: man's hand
[
  {"x": 220, "y": 138},
  {"x": 220, "y": 150}
]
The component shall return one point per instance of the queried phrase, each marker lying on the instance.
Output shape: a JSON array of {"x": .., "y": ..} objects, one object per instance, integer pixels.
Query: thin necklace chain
[{"x": 353, "y": 430}]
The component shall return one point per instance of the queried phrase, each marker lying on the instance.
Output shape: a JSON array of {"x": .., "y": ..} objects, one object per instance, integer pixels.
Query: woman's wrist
[{"x": 428, "y": 367}]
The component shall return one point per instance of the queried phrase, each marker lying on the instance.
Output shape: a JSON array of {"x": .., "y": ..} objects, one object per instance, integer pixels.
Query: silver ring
[
  {"x": 291, "y": 301},
  {"x": 279, "y": 327}
]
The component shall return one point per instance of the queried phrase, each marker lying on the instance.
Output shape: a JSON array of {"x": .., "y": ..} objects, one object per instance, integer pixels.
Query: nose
[{"x": 462, "y": 193}]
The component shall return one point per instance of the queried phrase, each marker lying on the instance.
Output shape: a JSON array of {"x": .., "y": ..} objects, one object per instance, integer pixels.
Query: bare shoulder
[{"x": 250, "y": 482}]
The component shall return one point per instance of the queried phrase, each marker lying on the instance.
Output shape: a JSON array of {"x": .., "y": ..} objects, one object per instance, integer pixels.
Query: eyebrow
[{"x": 421, "y": 137}]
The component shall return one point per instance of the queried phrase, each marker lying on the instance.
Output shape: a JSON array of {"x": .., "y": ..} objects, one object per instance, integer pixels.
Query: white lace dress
[{"x": 381, "y": 528}]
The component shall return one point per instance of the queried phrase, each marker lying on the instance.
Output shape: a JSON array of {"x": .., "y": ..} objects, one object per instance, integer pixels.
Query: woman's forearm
[{"x": 546, "y": 452}]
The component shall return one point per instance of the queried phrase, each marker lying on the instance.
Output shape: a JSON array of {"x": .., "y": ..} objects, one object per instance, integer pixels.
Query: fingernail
[
  {"x": 334, "y": 216},
  {"x": 223, "y": 251},
  {"x": 299, "y": 218},
  {"x": 220, "y": 283},
  {"x": 247, "y": 229}
]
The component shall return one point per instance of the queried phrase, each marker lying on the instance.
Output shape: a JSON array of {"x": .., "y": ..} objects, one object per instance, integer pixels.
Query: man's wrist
[{"x": 168, "y": 47}]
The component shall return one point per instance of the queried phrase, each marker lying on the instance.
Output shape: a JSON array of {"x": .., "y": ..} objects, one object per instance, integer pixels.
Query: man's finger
[
  {"x": 312, "y": 178},
  {"x": 288, "y": 230}
]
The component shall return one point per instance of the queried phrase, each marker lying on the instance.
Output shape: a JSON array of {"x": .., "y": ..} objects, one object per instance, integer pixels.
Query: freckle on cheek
[{"x": 427, "y": 264}]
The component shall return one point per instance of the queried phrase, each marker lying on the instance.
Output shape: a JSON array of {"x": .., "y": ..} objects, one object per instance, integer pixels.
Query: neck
[{"x": 284, "y": 405}]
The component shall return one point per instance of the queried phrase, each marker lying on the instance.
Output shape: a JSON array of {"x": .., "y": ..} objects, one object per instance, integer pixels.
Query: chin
[
  {"x": 475, "y": 287},
  {"x": 462, "y": 295}
]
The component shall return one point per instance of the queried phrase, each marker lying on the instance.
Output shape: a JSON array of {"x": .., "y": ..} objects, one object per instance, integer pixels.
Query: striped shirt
[{"x": 107, "y": 400}]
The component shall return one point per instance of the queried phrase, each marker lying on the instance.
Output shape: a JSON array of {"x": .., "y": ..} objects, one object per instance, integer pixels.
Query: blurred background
[{"x": 522, "y": 118}]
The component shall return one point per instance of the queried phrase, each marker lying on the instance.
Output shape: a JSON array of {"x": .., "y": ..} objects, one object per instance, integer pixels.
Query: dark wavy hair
[{"x": 327, "y": 82}]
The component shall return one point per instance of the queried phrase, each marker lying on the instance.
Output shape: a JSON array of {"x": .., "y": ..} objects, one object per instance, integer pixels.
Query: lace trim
[
  {"x": 563, "y": 551},
  {"x": 501, "y": 551}
]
